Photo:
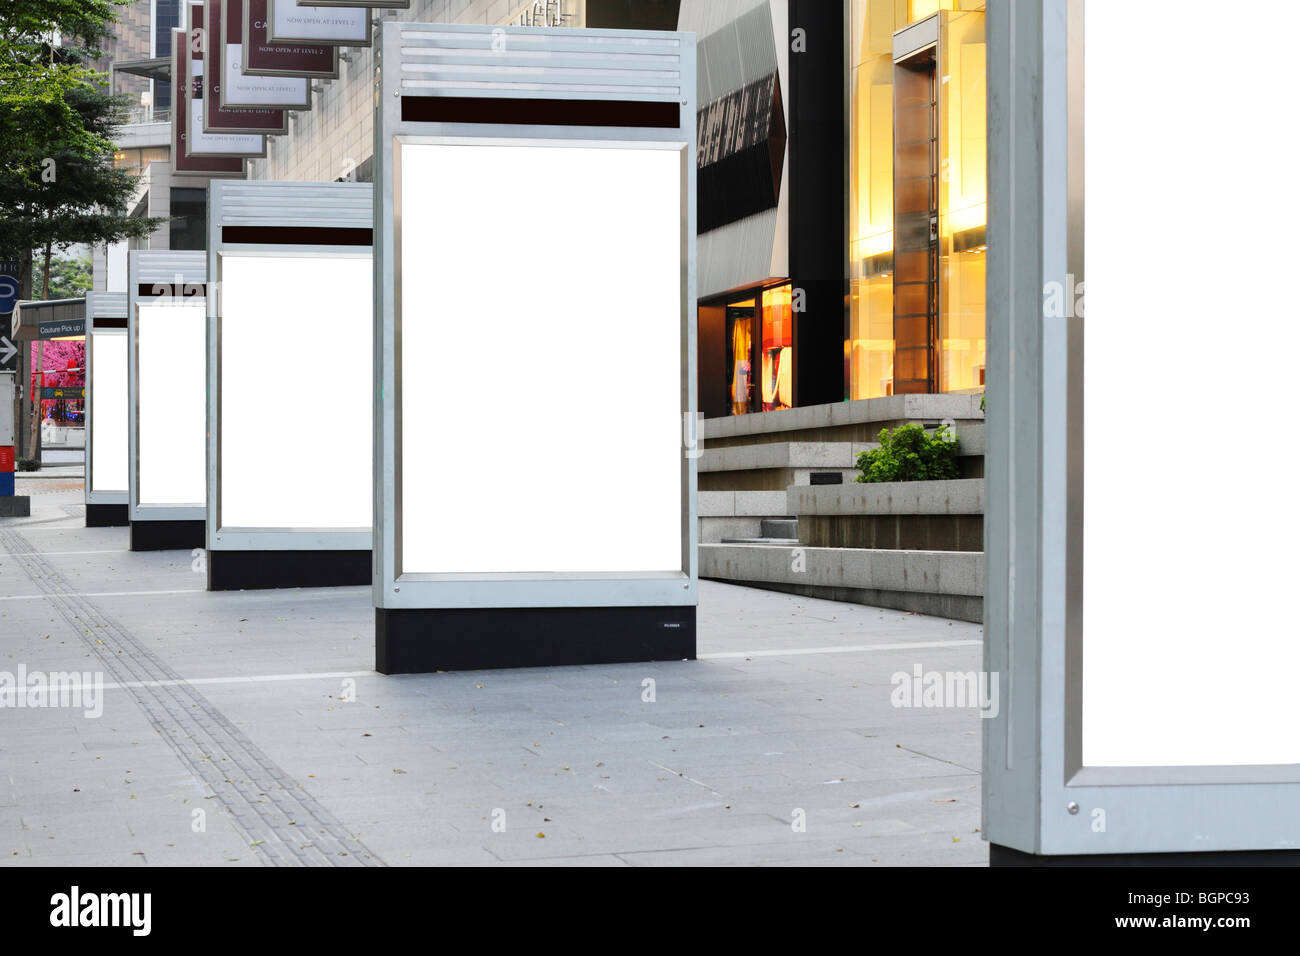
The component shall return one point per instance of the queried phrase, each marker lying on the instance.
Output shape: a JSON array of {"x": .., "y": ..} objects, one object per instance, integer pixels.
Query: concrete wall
[{"x": 943, "y": 583}]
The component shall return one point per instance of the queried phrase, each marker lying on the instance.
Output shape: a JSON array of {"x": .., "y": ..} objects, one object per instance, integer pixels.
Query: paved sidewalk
[{"x": 227, "y": 738}]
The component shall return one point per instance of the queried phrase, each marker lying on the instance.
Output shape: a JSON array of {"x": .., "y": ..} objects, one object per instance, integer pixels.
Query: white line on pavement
[
  {"x": 90, "y": 594},
  {"x": 846, "y": 649},
  {"x": 254, "y": 679},
  {"x": 48, "y": 554},
  {"x": 338, "y": 675}
]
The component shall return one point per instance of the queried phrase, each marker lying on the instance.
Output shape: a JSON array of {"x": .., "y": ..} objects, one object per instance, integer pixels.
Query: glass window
[
  {"x": 740, "y": 349},
  {"x": 942, "y": 343},
  {"x": 963, "y": 142},
  {"x": 776, "y": 351},
  {"x": 189, "y": 225}
]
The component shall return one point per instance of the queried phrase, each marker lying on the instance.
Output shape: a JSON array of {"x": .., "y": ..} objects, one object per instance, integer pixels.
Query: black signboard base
[
  {"x": 421, "y": 640},
  {"x": 1005, "y": 856},
  {"x": 167, "y": 535},
  {"x": 107, "y": 516},
  {"x": 248, "y": 570},
  {"x": 15, "y": 506}
]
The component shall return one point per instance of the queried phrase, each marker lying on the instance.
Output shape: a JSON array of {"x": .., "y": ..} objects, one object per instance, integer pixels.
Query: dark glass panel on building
[
  {"x": 711, "y": 349},
  {"x": 189, "y": 225},
  {"x": 633, "y": 14},
  {"x": 166, "y": 18}
]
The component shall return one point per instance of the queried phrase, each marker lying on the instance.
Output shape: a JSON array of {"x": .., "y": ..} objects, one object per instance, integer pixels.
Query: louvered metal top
[
  {"x": 536, "y": 62},
  {"x": 105, "y": 305},
  {"x": 269, "y": 203},
  {"x": 152, "y": 266}
]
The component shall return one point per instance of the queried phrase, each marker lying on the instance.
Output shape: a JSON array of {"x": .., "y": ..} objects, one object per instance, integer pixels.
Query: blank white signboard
[
  {"x": 1190, "y": 469},
  {"x": 172, "y": 375},
  {"x": 296, "y": 457},
  {"x": 541, "y": 359},
  {"x": 108, "y": 412}
]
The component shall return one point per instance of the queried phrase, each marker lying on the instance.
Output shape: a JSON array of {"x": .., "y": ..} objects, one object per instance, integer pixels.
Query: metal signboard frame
[
  {"x": 1040, "y": 800},
  {"x": 158, "y": 277},
  {"x": 612, "y": 89},
  {"x": 105, "y": 316},
  {"x": 265, "y": 219}
]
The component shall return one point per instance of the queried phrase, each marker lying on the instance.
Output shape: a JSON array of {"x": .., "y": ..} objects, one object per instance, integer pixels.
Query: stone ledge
[
  {"x": 741, "y": 504},
  {"x": 949, "y": 497},
  {"x": 890, "y": 408},
  {"x": 931, "y": 572}
]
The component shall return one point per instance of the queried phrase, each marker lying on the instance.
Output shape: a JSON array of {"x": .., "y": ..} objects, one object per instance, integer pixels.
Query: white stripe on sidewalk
[
  {"x": 255, "y": 679},
  {"x": 90, "y": 594},
  {"x": 48, "y": 554},
  {"x": 843, "y": 649},
  {"x": 338, "y": 675}
]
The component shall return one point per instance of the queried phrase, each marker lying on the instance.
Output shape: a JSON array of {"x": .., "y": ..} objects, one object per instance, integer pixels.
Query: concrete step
[{"x": 784, "y": 542}]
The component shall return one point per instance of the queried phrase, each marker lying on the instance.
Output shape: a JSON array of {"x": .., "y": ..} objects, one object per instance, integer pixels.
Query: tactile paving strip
[{"x": 285, "y": 824}]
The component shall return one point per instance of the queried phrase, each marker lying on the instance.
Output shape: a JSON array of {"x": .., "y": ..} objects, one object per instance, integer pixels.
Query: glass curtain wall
[{"x": 948, "y": 353}]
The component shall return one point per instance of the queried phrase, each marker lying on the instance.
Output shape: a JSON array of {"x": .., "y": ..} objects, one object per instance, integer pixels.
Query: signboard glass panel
[
  {"x": 172, "y": 415},
  {"x": 295, "y": 396},
  {"x": 565, "y": 326},
  {"x": 108, "y": 412},
  {"x": 1188, "y": 563}
]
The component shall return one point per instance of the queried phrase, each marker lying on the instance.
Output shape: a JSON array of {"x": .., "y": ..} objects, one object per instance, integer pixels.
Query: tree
[
  {"x": 58, "y": 186},
  {"x": 69, "y": 278}
]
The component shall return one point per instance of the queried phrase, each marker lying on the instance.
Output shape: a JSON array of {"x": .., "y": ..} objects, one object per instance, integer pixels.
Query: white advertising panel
[
  {"x": 172, "y": 375},
  {"x": 303, "y": 462},
  {"x": 108, "y": 412},
  {"x": 567, "y": 326},
  {"x": 1190, "y": 475}
]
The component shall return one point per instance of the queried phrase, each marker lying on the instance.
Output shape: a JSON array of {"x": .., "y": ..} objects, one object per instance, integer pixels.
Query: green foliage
[
  {"x": 58, "y": 186},
  {"x": 29, "y": 464},
  {"x": 981, "y": 403},
  {"x": 910, "y": 453},
  {"x": 70, "y": 278}
]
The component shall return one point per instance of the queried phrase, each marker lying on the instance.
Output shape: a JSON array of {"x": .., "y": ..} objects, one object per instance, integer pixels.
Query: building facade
[{"x": 842, "y": 200}]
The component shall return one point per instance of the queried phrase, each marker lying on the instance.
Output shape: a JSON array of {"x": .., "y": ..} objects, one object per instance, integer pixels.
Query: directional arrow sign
[{"x": 7, "y": 351}]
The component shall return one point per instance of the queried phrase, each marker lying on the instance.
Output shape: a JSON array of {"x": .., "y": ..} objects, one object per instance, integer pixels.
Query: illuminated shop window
[
  {"x": 921, "y": 329},
  {"x": 740, "y": 356},
  {"x": 776, "y": 348}
]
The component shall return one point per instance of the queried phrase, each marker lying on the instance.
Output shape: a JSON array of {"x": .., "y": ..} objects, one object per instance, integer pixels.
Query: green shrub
[
  {"x": 910, "y": 453},
  {"x": 29, "y": 464}
]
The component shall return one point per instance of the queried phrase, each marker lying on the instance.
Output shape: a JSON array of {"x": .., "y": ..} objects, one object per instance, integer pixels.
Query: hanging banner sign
[
  {"x": 245, "y": 26},
  {"x": 215, "y": 118},
  {"x": 198, "y": 142},
  {"x": 240, "y": 89},
  {"x": 370, "y": 4},
  {"x": 329, "y": 26},
  {"x": 182, "y": 161}
]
